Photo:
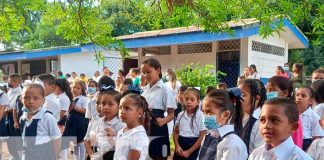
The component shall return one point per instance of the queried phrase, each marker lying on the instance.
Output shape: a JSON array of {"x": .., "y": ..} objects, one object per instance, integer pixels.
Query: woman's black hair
[
  {"x": 281, "y": 69},
  {"x": 197, "y": 94},
  {"x": 106, "y": 81},
  {"x": 140, "y": 102},
  {"x": 318, "y": 87},
  {"x": 256, "y": 88},
  {"x": 300, "y": 69},
  {"x": 64, "y": 86},
  {"x": 227, "y": 100},
  {"x": 93, "y": 81},
  {"x": 154, "y": 63},
  {"x": 283, "y": 83}
]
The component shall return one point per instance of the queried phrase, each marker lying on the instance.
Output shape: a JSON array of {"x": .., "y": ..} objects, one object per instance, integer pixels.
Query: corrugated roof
[{"x": 232, "y": 24}]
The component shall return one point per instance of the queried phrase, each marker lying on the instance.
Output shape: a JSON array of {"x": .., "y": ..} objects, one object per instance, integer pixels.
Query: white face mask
[{"x": 167, "y": 78}]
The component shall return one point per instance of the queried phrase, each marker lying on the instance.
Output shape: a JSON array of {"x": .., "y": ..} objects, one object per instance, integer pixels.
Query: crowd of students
[{"x": 130, "y": 118}]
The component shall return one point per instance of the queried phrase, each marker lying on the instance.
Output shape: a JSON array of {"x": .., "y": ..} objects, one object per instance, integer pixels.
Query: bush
[{"x": 196, "y": 75}]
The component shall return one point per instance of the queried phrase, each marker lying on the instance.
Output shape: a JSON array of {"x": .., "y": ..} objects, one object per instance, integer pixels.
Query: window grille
[
  {"x": 153, "y": 51},
  {"x": 229, "y": 45},
  {"x": 267, "y": 48},
  {"x": 195, "y": 48}
]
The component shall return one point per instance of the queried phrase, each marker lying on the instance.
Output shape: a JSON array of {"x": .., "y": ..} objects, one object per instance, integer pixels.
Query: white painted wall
[
  {"x": 84, "y": 62},
  {"x": 267, "y": 63}
]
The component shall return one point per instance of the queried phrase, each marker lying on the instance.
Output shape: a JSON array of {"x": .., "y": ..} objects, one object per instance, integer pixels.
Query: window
[
  {"x": 156, "y": 51},
  {"x": 195, "y": 48},
  {"x": 267, "y": 48}
]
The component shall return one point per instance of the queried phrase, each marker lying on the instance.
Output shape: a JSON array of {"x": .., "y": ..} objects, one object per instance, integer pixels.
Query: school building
[
  {"x": 230, "y": 53},
  {"x": 79, "y": 59}
]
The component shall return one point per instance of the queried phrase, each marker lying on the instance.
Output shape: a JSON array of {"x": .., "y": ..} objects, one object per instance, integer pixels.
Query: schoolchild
[
  {"x": 63, "y": 93},
  {"x": 318, "y": 87},
  {"x": 160, "y": 99},
  {"x": 110, "y": 123},
  {"x": 189, "y": 127},
  {"x": 180, "y": 101},
  {"x": 310, "y": 120},
  {"x": 90, "y": 139},
  {"x": 253, "y": 95},
  {"x": 40, "y": 133},
  {"x": 76, "y": 124},
  {"x": 279, "y": 118},
  {"x": 91, "y": 105},
  {"x": 52, "y": 103},
  {"x": 223, "y": 118},
  {"x": 281, "y": 87},
  {"x": 132, "y": 141},
  {"x": 4, "y": 102}
]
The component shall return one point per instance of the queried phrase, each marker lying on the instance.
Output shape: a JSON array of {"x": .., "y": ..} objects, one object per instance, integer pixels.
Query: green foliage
[{"x": 196, "y": 75}]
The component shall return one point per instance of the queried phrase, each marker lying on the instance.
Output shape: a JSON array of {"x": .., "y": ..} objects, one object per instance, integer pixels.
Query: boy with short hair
[
  {"x": 51, "y": 102},
  {"x": 278, "y": 119},
  {"x": 318, "y": 74}
]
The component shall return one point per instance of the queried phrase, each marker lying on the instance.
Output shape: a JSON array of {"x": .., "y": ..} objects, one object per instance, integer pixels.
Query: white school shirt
[
  {"x": 106, "y": 143},
  {"x": 13, "y": 93},
  {"x": 319, "y": 109},
  {"x": 135, "y": 139},
  {"x": 52, "y": 104},
  {"x": 47, "y": 128},
  {"x": 159, "y": 96},
  {"x": 231, "y": 147},
  {"x": 91, "y": 108},
  {"x": 82, "y": 102},
  {"x": 286, "y": 150},
  {"x": 316, "y": 149},
  {"x": 4, "y": 99},
  {"x": 64, "y": 102},
  {"x": 255, "y": 138},
  {"x": 255, "y": 75},
  {"x": 311, "y": 126},
  {"x": 92, "y": 130},
  {"x": 184, "y": 123}
]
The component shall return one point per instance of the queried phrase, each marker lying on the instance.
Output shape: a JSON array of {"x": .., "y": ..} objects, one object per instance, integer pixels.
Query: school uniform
[
  {"x": 106, "y": 145},
  {"x": 4, "y": 102},
  {"x": 189, "y": 132},
  {"x": 287, "y": 150},
  {"x": 76, "y": 123},
  {"x": 65, "y": 104},
  {"x": 319, "y": 110},
  {"x": 13, "y": 94},
  {"x": 159, "y": 98},
  {"x": 92, "y": 130},
  {"x": 37, "y": 134},
  {"x": 231, "y": 147},
  {"x": 52, "y": 104},
  {"x": 316, "y": 149},
  {"x": 251, "y": 136},
  {"x": 311, "y": 127},
  {"x": 91, "y": 108},
  {"x": 134, "y": 139}
]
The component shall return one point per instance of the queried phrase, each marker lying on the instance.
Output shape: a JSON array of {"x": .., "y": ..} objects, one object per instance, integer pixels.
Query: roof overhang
[{"x": 191, "y": 34}]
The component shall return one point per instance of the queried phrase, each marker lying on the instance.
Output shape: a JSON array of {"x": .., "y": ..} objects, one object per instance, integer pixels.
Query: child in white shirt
[
  {"x": 223, "y": 120},
  {"x": 4, "y": 102},
  {"x": 279, "y": 118},
  {"x": 310, "y": 120},
  {"x": 132, "y": 141},
  {"x": 40, "y": 133}
]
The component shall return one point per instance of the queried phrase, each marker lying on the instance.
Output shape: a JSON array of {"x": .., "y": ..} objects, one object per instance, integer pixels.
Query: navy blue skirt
[
  {"x": 160, "y": 144},
  {"x": 76, "y": 126},
  {"x": 186, "y": 143},
  {"x": 3, "y": 129}
]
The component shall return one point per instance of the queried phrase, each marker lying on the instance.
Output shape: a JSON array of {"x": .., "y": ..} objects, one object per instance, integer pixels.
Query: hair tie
[
  {"x": 106, "y": 88},
  {"x": 235, "y": 93},
  {"x": 39, "y": 82}
]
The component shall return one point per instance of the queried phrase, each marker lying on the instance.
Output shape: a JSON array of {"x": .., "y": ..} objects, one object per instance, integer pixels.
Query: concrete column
[
  {"x": 48, "y": 66},
  {"x": 19, "y": 67}
]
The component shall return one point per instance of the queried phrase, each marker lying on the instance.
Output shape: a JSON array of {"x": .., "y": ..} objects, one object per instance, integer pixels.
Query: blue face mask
[
  {"x": 92, "y": 90},
  {"x": 271, "y": 95},
  {"x": 286, "y": 68},
  {"x": 211, "y": 122}
]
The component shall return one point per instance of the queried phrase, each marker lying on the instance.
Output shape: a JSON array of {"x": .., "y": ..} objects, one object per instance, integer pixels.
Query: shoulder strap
[
  {"x": 227, "y": 135},
  {"x": 1, "y": 92}
]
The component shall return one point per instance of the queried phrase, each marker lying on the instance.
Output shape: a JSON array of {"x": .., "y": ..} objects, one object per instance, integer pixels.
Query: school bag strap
[{"x": 208, "y": 149}]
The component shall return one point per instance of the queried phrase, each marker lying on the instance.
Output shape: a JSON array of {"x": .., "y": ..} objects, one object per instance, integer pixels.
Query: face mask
[
  {"x": 24, "y": 109},
  {"x": 92, "y": 90},
  {"x": 211, "y": 122},
  {"x": 167, "y": 78},
  {"x": 286, "y": 68},
  {"x": 271, "y": 95}
]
